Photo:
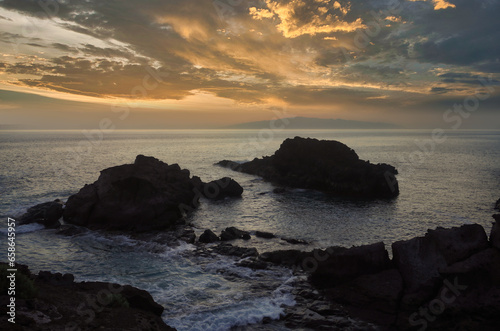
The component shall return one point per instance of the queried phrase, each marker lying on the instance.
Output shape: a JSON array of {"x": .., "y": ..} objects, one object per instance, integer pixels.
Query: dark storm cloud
[
  {"x": 64, "y": 48},
  {"x": 439, "y": 90},
  {"x": 467, "y": 78},
  {"x": 468, "y": 34}
]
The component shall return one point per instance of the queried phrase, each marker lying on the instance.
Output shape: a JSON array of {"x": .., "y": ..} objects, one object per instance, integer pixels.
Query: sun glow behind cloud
[
  {"x": 305, "y": 54},
  {"x": 325, "y": 17}
]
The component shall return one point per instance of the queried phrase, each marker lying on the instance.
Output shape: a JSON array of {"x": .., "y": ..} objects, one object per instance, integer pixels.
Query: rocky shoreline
[
  {"x": 448, "y": 278},
  {"x": 53, "y": 302}
]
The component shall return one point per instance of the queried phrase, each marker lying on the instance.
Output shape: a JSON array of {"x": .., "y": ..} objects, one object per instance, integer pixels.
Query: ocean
[{"x": 445, "y": 180}]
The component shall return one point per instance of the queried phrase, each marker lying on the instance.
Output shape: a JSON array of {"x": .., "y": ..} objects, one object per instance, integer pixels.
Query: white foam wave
[
  {"x": 26, "y": 228},
  {"x": 245, "y": 312}
]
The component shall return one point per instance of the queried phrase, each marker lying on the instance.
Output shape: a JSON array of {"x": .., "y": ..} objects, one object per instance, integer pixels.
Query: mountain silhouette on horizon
[{"x": 291, "y": 123}]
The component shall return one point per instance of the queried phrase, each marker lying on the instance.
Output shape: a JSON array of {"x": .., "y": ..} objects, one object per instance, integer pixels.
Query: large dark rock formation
[
  {"x": 323, "y": 165},
  {"x": 421, "y": 259},
  {"x": 450, "y": 278},
  {"x": 47, "y": 213},
  {"x": 57, "y": 302},
  {"x": 335, "y": 266},
  {"x": 146, "y": 195}
]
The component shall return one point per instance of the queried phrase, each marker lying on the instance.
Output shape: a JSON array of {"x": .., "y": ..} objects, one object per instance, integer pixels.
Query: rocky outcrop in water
[
  {"x": 48, "y": 302},
  {"x": 208, "y": 237},
  {"x": 47, "y": 213},
  {"x": 232, "y": 233},
  {"x": 146, "y": 195},
  {"x": 222, "y": 188},
  {"x": 497, "y": 204},
  {"x": 143, "y": 196},
  {"x": 323, "y": 165}
]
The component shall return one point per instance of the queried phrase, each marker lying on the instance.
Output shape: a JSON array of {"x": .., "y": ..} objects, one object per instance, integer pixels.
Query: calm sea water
[{"x": 444, "y": 184}]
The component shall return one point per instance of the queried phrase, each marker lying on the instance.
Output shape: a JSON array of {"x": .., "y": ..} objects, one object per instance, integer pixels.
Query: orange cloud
[
  {"x": 298, "y": 18},
  {"x": 439, "y": 4}
]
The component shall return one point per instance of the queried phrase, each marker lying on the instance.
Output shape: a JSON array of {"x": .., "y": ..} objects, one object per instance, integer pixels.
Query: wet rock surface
[
  {"x": 208, "y": 237},
  {"x": 47, "y": 213},
  {"x": 222, "y": 188},
  {"x": 450, "y": 278}
]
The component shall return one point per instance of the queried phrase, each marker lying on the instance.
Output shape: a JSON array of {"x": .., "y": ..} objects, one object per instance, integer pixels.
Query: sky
[{"x": 166, "y": 64}]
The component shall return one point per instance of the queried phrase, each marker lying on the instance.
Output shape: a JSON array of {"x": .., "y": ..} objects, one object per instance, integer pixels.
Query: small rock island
[{"x": 324, "y": 165}]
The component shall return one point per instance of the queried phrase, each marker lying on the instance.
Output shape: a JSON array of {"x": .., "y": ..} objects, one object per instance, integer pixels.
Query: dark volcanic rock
[
  {"x": 420, "y": 259},
  {"x": 295, "y": 241},
  {"x": 221, "y": 188},
  {"x": 233, "y": 233},
  {"x": 290, "y": 257},
  {"x": 495, "y": 232},
  {"x": 228, "y": 249},
  {"x": 265, "y": 235},
  {"x": 141, "y": 299},
  {"x": 371, "y": 297},
  {"x": 62, "y": 304},
  {"x": 481, "y": 268},
  {"x": 47, "y": 213},
  {"x": 323, "y": 165},
  {"x": 208, "y": 237},
  {"x": 338, "y": 265},
  {"x": 147, "y": 195}
]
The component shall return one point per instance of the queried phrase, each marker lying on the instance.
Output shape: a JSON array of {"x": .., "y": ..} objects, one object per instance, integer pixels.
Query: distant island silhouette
[{"x": 292, "y": 123}]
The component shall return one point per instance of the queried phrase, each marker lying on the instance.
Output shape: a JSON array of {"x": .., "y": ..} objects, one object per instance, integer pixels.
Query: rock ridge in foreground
[
  {"x": 449, "y": 278},
  {"x": 322, "y": 165},
  {"x": 52, "y": 302}
]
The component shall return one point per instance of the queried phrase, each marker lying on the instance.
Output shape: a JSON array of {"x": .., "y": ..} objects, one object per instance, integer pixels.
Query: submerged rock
[
  {"x": 265, "y": 235},
  {"x": 146, "y": 195},
  {"x": 295, "y": 241},
  {"x": 323, "y": 165},
  {"x": 47, "y": 213}
]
